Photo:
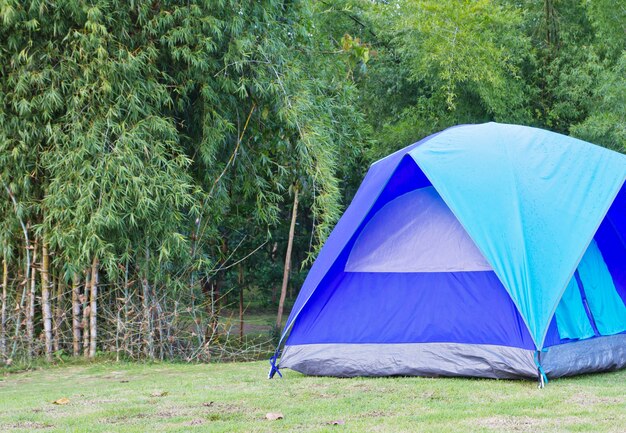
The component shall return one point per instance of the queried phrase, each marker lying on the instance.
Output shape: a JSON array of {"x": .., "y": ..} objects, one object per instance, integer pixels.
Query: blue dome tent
[{"x": 486, "y": 250}]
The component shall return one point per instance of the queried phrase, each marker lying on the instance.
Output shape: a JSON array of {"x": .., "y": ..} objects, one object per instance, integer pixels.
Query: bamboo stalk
[
  {"x": 20, "y": 308},
  {"x": 45, "y": 301},
  {"x": 283, "y": 290},
  {"x": 127, "y": 301},
  {"x": 27, "y": 266},
  {"x": 76, "y": 337},
  {"x": 93, "y": 316},
  {"x": 241, "y": 324},
  {"x": 3, "y": 315},
  {"x": 147, "y": 322},
  {"x": 86, "y": 313},
  {"x": 30, "y": 311},
  {"x": 58, "y": 315}
]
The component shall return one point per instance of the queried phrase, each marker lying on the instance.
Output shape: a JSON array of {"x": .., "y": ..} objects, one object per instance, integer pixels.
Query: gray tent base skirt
[
  {"x": 586, "y": 356},
  {"x": 454, "y": 359}
]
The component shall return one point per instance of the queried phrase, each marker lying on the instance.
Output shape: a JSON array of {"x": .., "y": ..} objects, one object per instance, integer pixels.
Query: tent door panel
[
  {"x": 605, "y": 305},
  {"x": 572, "y": 318},
  {"x": 583, "y": 296}
]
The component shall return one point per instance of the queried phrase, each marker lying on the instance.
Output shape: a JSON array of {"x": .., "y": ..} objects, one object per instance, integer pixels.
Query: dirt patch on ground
[
  {"x": 361, "y": 387},
  {"x": 30, "y": 425},
  {"x": 502, "y": 423},
  {"x": 587, "y": 400},
  {"x": 324, "y": 395},
  {"x": 94, "y": 402},
  {"x": 213, "y": 406},
  {"x": 376, "y": 414},
  {"x": 121, "y": 418},
  {"x": 176, "y": 411},
  {"x": 196, "y": 421},
  {"x": 115, "y": 375},
  {"x": 433, "y": 396}
]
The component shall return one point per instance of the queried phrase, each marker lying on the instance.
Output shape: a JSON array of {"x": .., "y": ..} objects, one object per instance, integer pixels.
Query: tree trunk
[
  {"x": 59, "y": 314},
  {"x": 147, "y": 323},
  {"x": 3, "y": 315},
  {"x": 273, "y": 257},
  {"x": 22, "y": 303},
  {"x": 118, "y": 322},
  {"x": 126, "y": 346},
  {"x": 86, "y": 312},
  {"x": 155, "y": 319},
  {"x": 215, "y": 308},
  {"x": 30, "y": 311},
  {"x": 76, "y": 304},
  {"x": 552, "y": 25},
  {"x": 283, "y": 290},
  {"x": 27, "y": 267},
  {"x": 45, "y": 301},
  {"x": 241, "y": 324},
  {"x": 93, "y": 325}
]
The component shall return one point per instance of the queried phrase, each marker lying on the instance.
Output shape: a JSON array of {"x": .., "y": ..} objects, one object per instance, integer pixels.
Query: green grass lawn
[{"x": 110, "y": 397}]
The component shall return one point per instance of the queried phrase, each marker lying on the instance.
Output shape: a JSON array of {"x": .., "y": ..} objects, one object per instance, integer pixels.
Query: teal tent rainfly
[{"x": 486, "y": 250}]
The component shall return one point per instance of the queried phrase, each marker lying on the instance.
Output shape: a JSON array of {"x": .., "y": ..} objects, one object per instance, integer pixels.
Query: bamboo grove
[{"x": 166, "y": 165}]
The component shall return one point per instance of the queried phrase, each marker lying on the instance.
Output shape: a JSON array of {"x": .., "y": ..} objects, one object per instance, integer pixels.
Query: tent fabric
[
  {"x": 451, "y": 359},
  {"x": 571, "y": 316},
  {"x": 585, "y": 356},
  {"x": 386, "y": 179},
  {"x": 611, "y": 240},
  {"x": 415, "y": 232},
  {"x": 462, "y": 307},
  {"x": 607, "y": 308},
  {"x": 481, "y": 235},
  {"x": 523, "y": 203},
  {"x": 421, "y": 359},
  {"x": 583, "y": 295}
]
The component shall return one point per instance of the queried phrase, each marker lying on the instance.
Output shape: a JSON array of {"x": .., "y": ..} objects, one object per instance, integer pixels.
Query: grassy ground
[{"x": 110, "y": 397}]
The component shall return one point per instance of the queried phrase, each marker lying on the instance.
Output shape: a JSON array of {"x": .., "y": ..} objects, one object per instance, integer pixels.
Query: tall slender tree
[{"x": 287, "y": 269}]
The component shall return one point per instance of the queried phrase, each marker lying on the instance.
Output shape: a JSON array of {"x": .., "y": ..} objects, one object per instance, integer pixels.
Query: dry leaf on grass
[
  {"x": 61, "y": 401},
  {"x": 274, "y": 416},
  {"x": 159, "y": 394}
]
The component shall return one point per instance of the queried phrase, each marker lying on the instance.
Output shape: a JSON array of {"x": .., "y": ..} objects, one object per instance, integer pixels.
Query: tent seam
[{"x": 479, "y": 248}]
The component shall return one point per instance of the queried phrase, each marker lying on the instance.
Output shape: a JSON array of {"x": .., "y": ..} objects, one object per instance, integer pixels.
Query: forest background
[{"x": 171, "y": 167}]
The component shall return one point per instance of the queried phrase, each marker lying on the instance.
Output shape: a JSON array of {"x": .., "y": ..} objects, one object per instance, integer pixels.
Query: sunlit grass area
[{"x": 236, "y": 397}]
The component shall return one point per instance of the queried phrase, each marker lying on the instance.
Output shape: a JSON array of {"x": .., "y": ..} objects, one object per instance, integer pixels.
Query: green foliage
[
  {"x": 116, "y": 90},
  {"x": 438, "y": 63},
  {"x": 606, "y": 124},
  {"x": 166, "y": 138},
  {"x": 462, "y": 47}
]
